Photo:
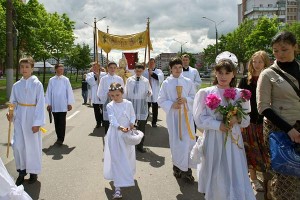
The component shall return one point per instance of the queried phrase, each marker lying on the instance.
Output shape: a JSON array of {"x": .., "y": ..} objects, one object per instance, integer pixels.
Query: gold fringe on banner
[{"x": 108, "y": 41}]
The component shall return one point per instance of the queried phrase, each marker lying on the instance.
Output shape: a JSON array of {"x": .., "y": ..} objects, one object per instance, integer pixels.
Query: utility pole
[
  {"x": 216, "y": 28},
  {"x": 9, "y": 49}
]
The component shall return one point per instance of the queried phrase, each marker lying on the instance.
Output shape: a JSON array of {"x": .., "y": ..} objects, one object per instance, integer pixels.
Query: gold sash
[
  {"x": 187, "y": 122},
  {"x": 43, "y": 130},
  {"x": 24, "y": 104}
]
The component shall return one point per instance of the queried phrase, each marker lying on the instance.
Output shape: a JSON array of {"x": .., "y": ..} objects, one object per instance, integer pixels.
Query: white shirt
[
  {"x": 155, "y": 84},
  {"x": 194, "y": 76},
  {"x": 59, "y": 93},
  {"x": 94, "y": 84}
]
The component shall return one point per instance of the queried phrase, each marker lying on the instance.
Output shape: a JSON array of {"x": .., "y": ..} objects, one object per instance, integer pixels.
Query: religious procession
[{"x": 227, "y": 134}]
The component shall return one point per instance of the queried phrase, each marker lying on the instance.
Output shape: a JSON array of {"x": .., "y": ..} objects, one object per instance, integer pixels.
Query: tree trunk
[
  {"x": 44, "y": 72},
  {"x": 76, "y": 75}
]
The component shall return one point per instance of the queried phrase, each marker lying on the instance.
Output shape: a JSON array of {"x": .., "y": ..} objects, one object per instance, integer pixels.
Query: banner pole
[
  {"x": 107, "y": 53},
  {"x": 148, "y": 28}
]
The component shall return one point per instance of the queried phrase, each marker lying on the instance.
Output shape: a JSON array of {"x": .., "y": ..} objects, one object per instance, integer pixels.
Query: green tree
[
  {"x": 209, "y": 55},
  {"x": 79, "y": 58},
  {"x": 294, "y": 28},
  {"x": 62, "y": 37},
  {"x": 261, "y": 36},
  {"x": 2, "y": 33}
]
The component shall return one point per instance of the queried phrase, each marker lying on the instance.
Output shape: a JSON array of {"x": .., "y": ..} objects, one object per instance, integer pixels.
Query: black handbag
[{"x": 285, "y": 154}]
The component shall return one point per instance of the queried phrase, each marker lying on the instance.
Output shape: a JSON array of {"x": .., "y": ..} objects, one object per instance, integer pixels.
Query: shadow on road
[
  {"x": 156, "y": 137},
  {"x": 189, "y": 191},
  {"x": 33, "y": 190},
  {"x": 153, "y": 159},
  {"x": 98, "y": 132},
  {"x": 58, "y": 151},
  {"x": 127, "y": 192}
]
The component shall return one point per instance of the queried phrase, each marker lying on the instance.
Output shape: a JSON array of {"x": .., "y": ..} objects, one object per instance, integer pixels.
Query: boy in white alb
[
  {"x": 103, "y": 90},
  {"x": 155, "y": 77},
  {"x": 59, "y": 97},
  {"x": 29, "y": 115},
  {"x": 190, "y": 72},
  {"x": 93, "y": 79},
  {"x": 180, "y": 122},
  {"x": 137, "y": 90}
]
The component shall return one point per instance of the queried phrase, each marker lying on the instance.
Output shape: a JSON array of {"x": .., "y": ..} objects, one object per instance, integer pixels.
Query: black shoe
[
  {"x": 154, "y": 125},
  {"x": 20, "y": 179},
  {"x": 141, "y": 149},
  {"x": 189, "y": 178},
  {"x": 33, "y": 178},
  {"x": 59, "y": 142},
  {"x": 177, "y": 172},
  {"x": 98, "y": 125}
]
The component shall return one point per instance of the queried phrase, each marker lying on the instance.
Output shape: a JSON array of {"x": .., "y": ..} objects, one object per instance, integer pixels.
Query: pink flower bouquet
[{"x": 232, "y": 109}]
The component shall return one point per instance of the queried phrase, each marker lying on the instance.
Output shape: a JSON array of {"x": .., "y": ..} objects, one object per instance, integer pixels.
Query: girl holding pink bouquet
[{"x": 221, "y": 111}]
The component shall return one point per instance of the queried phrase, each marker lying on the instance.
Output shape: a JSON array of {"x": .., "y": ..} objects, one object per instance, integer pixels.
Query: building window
[
  {"x": 261, "y": 5},
  {"x": 270, "y": 5}
]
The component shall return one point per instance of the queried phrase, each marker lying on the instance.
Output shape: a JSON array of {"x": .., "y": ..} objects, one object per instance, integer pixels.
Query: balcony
[{"x": 263, "y": 9}]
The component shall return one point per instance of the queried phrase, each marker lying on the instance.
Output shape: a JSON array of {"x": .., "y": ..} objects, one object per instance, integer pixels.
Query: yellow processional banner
[{"x": 108, "y": 41}]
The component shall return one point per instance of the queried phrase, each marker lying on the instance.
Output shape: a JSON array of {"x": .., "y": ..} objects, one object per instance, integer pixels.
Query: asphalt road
[{"x": 75, "y": 170}]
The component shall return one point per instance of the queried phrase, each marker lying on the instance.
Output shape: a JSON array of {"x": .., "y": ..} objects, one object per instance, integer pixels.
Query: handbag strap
[{"x": 287, "y": 79}]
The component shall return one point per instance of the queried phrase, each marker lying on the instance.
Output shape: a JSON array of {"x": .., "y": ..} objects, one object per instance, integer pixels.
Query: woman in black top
[{"x": 280, "y": 105}]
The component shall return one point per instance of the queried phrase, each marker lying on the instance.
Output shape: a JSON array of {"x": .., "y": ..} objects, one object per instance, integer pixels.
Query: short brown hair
[
  {"x": 58, "y": 65},
  {"x": 111, "y": 63},
  {"x": 185, "y": 56},
  {"x": 175, "y": 61},
  {"x": 27, "y": 60}
]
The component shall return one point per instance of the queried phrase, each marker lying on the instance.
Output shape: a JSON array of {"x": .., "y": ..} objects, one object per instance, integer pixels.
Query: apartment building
[{"x": 287, "y": 11}]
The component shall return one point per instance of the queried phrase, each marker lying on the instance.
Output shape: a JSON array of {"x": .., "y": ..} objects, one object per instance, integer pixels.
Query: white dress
[
  {"x": 223, "y": 171},
  {"x": 103, "y": 90},
  {"x": 8, "y": 189},
  {"x": 119, "y": 158},
  {"x": 26, "y": 145},
  {"x": 180, "y": 149}
]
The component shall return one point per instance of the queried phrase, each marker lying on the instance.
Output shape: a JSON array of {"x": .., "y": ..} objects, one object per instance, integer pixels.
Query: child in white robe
[
  {"x": 155, "y": 77},
  {"x": 180, "y": 144},
  {"x": 137, "y": 90},
  {"x": 223, "y": 171},
  {"x": 119, "y": 157},
  {"x": 29, "y": 115},
  {"x": 103, "y": 88}
]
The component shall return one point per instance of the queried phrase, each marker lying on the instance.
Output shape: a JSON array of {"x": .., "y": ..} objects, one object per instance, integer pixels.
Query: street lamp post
[
  {"x": 181, "y": 45},
  {"x": 216, "y": 24}
]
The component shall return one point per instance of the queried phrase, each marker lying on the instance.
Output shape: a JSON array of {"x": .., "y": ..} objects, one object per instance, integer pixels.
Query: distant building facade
[
  {"x": 287, "y": 11},
  {"x": 163, "y": 59}
]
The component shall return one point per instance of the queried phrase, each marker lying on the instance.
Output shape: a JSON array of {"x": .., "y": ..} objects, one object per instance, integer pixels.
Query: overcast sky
[{"x": 169, "y": 20}]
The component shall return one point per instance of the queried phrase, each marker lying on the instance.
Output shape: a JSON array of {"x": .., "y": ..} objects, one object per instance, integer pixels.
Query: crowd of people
[{"x": 228, "y": 153}]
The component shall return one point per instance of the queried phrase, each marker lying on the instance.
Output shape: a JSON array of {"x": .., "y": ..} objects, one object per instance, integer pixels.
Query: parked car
[{"x": 204, "y": 74}]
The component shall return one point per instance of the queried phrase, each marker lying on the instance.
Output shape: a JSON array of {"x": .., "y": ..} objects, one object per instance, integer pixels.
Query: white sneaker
[{"x": 117, "y": 194}]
